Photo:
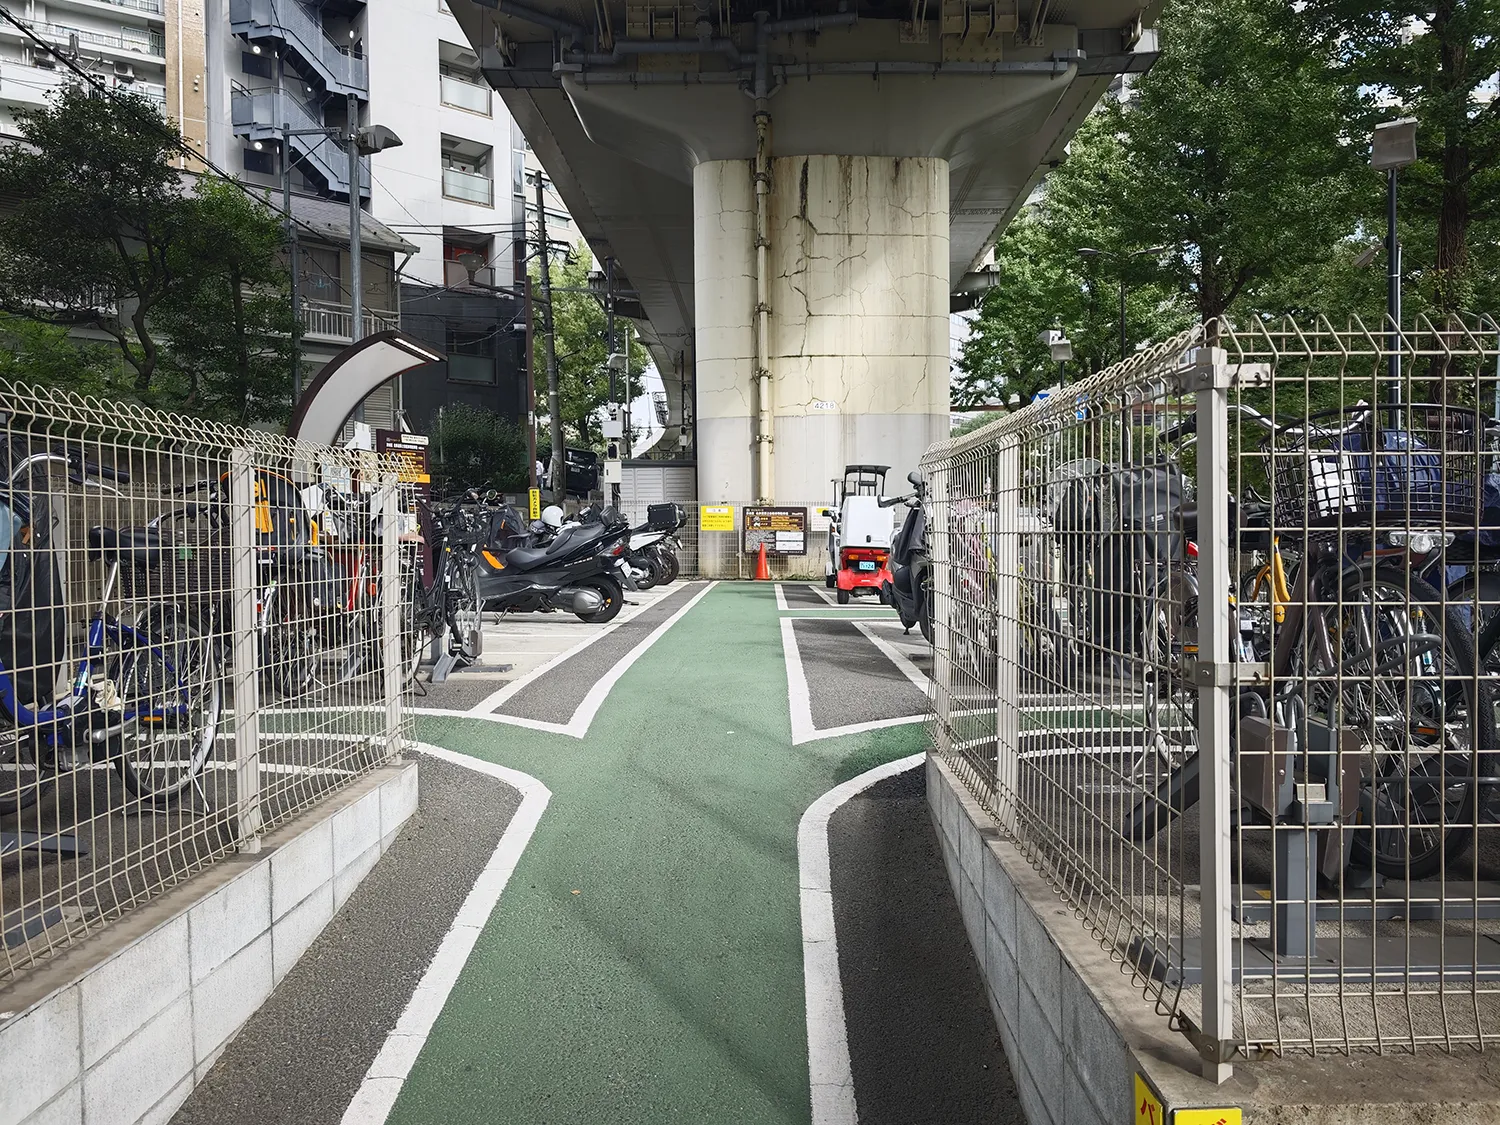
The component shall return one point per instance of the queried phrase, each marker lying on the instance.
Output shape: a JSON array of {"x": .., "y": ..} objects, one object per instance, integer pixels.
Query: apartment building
[
  {"x": 154, "y": 48},
  {"x": 283, "y": 74}
]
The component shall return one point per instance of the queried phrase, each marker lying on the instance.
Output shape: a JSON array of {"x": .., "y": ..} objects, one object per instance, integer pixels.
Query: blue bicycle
[{"x": 145, "y": 695}]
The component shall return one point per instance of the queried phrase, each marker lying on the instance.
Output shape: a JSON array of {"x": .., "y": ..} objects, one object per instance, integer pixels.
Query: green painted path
[{"x": 645, "y": 961}]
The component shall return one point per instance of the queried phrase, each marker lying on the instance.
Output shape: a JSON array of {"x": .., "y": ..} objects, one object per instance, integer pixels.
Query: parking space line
[
  {"x": 382, "y": 1083},
  {"x": 829, "y": 1070},
  {"x": 898, "y": 658}
]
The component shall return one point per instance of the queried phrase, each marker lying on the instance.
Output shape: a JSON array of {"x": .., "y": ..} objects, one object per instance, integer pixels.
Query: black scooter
[
  {"x": 578, "y": 571},
  {"x": 909, "y": 591}
]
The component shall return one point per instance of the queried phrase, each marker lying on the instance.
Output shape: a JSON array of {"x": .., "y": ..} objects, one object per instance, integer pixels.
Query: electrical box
[
  {"x": 613, "y": 428},
  {"x": 613, "y": 473},
  {"x": 612, "y": 449}
]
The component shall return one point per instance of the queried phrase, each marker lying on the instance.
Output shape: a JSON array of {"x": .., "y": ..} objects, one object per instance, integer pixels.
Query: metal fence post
[
  {"x": 1211, "y": 375},
  {"x": 390, "y": 612},
  {"x": 1006, "y": 613},
  {"x": 942, "y": 600},
  {"x": 244, "y": 646}
]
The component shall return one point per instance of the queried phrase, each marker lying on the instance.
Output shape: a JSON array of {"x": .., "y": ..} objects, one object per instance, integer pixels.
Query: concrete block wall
[
  {"x": 118, "y": 1030},
  {"x": 1074, "y": 1029}
]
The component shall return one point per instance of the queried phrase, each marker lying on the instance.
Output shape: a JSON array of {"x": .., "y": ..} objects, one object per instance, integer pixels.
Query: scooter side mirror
[{"x": 914, "y": 478}]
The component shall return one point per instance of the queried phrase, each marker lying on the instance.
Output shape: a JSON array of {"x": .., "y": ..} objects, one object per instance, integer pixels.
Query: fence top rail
[
  {"x": 53, "y": 408},
  {"x": 1254, "y": 339}
]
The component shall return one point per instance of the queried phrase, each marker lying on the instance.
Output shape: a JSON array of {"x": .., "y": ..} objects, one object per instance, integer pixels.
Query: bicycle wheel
[
  {"x": 169, "y": 677},
  {"x": 23, "y": 779},
  {"x": 465, "y": 611},
  {"x": 1405, "y": 681},
  {"x": 289, "y": 649}
]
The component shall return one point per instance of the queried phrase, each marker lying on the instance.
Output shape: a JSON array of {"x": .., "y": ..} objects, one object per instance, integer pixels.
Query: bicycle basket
[
  {"x": 1369, "y": 468},
  {"x": 195, "y": 569}
]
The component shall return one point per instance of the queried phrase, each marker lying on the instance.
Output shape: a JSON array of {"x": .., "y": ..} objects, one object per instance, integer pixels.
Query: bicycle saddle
[{"x": 138, "y": 546}]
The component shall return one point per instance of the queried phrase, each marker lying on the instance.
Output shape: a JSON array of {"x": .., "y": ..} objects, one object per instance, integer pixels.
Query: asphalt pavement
[{"x": 302, "y": 1056}]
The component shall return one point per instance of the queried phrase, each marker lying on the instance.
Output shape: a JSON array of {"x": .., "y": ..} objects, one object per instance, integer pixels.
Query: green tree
[
  {"x": 35, "y": 352},
  {"x": 231, "y": 324},
  {"x": 582, "y": 350},
  {"x": 476, "y": 448},
  {"x": 1437, "y": 60},
  {"x": 1044, "y": 281},
  {"x": 104, "y": 234},
  {"x": 1236, "y": 142},
  {"x": 90, "y": 239}
]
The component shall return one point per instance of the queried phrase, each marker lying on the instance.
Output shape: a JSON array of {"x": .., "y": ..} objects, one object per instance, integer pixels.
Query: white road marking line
[
  {"x": 494, "y": 700},
  {"x": 861, "y": 728},
  {"x": 822, "y": 592},
  {"x": 798, "y": 696},
  {"x": 388, "y": 1073},
  {"x": 584, "y": 716},
  {"x": 829, "y": 1072},
  {"x": 781, "y": 599},
  {"x": 902, "y": 662}
]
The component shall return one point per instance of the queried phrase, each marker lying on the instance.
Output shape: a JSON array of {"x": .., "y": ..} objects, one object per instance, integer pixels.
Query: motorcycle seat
[
  {"x": 139, "y": 546},
  {"x": 568, "y": 539}
]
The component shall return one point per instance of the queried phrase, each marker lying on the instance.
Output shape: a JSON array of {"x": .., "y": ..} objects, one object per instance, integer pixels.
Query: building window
[
  {"x": 471, "y": 357},
  {"x": 258, "y": 66},
  {"x": 263, "y": 162},
  {"x": 461, "y": 84},
  {"x": 457, "y": 248},
  {"x": 467, "y": 174}
]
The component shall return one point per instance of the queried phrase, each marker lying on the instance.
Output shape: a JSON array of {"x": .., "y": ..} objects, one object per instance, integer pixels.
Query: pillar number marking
[{"x": 1149, "y": 1111}]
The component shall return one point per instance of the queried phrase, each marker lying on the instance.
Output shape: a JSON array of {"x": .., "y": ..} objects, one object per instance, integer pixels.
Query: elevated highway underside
[{"x": 787, "y": 346}]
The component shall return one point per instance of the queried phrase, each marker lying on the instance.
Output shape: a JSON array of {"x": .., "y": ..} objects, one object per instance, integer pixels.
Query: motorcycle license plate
[{"x": 866, "y": 566}]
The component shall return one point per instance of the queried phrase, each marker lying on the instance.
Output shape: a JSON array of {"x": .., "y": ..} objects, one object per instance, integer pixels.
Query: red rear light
[
  {"x": 1192, "y": 549},
  {"x": 864, "y": 554}
]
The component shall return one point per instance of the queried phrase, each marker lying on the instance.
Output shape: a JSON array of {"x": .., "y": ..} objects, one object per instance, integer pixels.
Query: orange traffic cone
[{"x": 762, "y": 571}]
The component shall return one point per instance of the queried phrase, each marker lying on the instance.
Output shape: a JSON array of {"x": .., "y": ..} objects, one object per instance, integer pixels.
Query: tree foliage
[
  {"x": 475, "y": 448},
  {"x": 582, "y": 349},
  {"x": 105, "y": 235}
]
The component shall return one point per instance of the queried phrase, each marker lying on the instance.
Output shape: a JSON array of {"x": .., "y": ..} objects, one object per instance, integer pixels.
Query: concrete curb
[{"x": 119, "y": 1029}]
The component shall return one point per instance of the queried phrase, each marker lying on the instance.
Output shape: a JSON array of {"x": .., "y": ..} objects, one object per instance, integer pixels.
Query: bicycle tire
[
  {"x": 24, "y": 782},
  {"x": 145, "y": 681},
  {"x": 1453, "y": 769}
]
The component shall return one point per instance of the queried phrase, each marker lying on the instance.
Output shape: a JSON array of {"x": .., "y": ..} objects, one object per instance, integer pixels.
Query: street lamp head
[
  {"x": 1089, "y": 252},
  {"x": 1394, "y": 144},
  {"x": 377, "y": 138},
  {"x": 471, "y": 262}
]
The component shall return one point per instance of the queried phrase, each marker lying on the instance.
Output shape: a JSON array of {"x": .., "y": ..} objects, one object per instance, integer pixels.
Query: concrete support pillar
[{"x": 858, "y": 357}]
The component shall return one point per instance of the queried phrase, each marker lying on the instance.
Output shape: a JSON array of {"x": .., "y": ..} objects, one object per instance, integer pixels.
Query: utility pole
[
  {"x": 530, "y": 375},
  {"x": 559, "y": 470},
  {"x": 609, "y": 346},
  {"x": 356, "y": 247},
  {"x": 294, "y": 251}
]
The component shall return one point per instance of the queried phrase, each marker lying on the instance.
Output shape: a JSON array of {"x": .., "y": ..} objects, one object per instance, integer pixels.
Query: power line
[{"x": 175, "y": 138}]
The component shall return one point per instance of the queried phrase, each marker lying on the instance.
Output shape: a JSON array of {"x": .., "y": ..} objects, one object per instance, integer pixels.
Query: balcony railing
[
  {"x": 290, "y": 21},
  {"x": 148, "y": 42},
  {"x": 468, "y": 186},
  {"x": 262, "y": 114},
  {"x": 150, "y": 7},
  {"x": 460, "y": 93},
  {"x": 332, "y": 322}
]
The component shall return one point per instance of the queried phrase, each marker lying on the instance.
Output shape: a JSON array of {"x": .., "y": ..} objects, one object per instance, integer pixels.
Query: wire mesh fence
[
  {"x": 198, "y": 640},
  {"x": 1216, "y": 641}
]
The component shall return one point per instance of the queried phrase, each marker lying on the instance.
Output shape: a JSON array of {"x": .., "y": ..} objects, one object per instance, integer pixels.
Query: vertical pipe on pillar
[{"x": 764, "y": 482}]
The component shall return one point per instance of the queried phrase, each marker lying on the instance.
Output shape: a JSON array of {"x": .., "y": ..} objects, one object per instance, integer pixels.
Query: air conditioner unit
[
  {"x": 124, "y": 72},
  {"x": 466, "y": 59}
]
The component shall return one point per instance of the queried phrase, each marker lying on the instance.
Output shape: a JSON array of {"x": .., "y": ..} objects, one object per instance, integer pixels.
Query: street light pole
[
  {"x": 356, "y": 247},
  {"x": 295, "y": 255},
  {"x": 559, "y": 472},
  {"x": 1392, "y": 147}
]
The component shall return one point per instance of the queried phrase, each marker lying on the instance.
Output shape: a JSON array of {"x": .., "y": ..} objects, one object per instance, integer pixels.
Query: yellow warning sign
[
  {"x": 715, "y": 517},
  {"x": 1148, "y": 1110},
  {"x": 535, "y": 504},
  {"x": 1206, "y": 1117}
]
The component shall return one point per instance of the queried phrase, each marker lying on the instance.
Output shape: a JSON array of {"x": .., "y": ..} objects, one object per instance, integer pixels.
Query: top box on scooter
[{"x": 665, "y": 517}]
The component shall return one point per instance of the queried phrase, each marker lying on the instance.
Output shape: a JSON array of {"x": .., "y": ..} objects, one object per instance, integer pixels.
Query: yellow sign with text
[
  {"x": 715, "y": 517},
  {"x": 1148, "y": 1109},
  {"x": 535, "y": 496},
  {"x": 1206, "y": 1117}
]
